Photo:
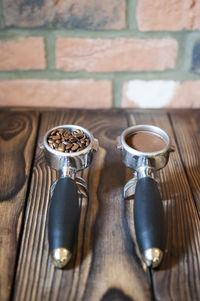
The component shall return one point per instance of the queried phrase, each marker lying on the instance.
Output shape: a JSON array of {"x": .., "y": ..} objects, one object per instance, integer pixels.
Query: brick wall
[{"x": 100, "y": 54}]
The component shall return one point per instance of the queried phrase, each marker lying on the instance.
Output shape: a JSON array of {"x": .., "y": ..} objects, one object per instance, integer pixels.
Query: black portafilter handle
[
  {"x": 63, "y": 220},
  {"x": 149, "y": 221}
]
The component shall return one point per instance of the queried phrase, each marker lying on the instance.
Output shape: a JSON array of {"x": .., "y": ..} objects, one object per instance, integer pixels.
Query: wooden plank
[
  {"x": 178, "y": 277},
  {"x": 17, "y": 141},
  {"x": 187, "y": 128},
  {"x": 104, "y": 265}
]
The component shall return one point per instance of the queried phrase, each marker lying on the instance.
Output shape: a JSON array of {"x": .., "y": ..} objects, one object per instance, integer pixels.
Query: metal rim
[
  {"x": 70, "y": 127},
  {"x": 145, "y": 128}
]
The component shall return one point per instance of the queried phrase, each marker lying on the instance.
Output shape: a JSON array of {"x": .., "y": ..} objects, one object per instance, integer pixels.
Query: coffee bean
[
  {"x": 68, "y": 141},
  {"x": 77, "y": 131},
  {"x": 79, "y": 135},
  {"x": 54, "y": 137},
  {"x": 68, "y": 146},
  {"x": 72, "y": 139},
  {"x": 87, "y": 142},
  {"x": 74, "y": 147},
  {"x": 82, "y": 141},
  {"x": 60, "y": 148},
  {"x": 66, "y": 138},
  {"x": 66, "y": 133}
]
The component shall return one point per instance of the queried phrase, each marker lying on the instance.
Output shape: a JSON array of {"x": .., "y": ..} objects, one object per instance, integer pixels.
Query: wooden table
[{"x": 105, "y": 264}]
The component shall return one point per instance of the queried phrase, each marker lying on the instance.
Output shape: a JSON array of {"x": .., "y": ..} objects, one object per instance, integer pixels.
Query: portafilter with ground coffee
[
  {"x": 145, "y": 149},
  {"x": 68, "y": 149}
]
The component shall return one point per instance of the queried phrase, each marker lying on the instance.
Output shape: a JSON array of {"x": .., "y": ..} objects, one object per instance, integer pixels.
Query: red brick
[
  {"x": 70, "y": 14},
  {"x": 187, "y": 96},
  {"x": 171, "y": 15},
  {"x": 103, "y": 55},
  {"x": 22, "y": 54},
  {"x": 161, "y": 93},
  {"x": 65, "y": 93}
]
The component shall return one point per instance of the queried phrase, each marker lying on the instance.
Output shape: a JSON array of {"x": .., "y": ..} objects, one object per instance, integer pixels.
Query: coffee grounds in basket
[
  {"x": 68, "y": 140},
  {"x": 146, "y": 142}
]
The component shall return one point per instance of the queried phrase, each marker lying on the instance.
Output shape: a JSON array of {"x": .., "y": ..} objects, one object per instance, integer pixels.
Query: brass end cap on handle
[
  {"x": 60, "y": 257},
  {"x": 153, "y": 257}
]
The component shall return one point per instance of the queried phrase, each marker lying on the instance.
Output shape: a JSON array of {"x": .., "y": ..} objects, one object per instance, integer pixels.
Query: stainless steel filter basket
[{"x": 69, "y": 161}]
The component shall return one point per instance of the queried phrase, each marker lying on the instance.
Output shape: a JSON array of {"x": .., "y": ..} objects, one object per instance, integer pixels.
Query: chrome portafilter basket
[
  {"x": 64, "y": 209},
  {"x": 148, "y": 208}
]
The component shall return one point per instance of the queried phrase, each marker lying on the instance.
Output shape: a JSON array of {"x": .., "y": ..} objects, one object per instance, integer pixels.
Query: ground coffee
[
  {"x": 145, "y": 142},
  {"x": 67, "y": 140}
]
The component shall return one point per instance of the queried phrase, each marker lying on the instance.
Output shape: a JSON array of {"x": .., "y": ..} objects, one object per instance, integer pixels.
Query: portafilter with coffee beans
[
  {"x": 68, "y": 149},
  {"x": 145, "y": 149}
]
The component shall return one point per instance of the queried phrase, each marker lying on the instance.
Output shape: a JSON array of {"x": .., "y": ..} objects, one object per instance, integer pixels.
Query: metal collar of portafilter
[
  {"x": 135, "y": 159},
  {"x": 69, "y": 163}
]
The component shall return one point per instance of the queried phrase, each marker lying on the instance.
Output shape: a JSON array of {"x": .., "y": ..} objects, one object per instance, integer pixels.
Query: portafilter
[
  {"x": 64, "y": 209},
  {"x": 145, "y": 149}
]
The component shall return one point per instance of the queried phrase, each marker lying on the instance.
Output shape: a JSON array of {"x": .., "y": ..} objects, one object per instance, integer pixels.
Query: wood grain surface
[
  {"x": 187, "y": 132},
  {"x": 106, "y": 264},
  {"x": 178, "y": 277},
  {"x": 17, "y": 142}
]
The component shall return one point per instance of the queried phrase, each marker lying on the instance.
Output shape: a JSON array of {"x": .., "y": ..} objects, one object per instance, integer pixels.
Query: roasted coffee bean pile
[{"x": 67, "y": 140}]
